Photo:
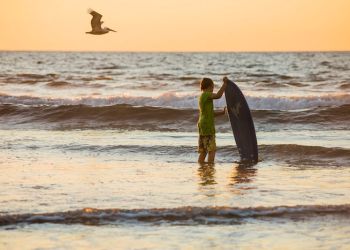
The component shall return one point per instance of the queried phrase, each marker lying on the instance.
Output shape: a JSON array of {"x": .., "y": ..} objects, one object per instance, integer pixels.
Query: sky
[{"x": 177, "y": 25}]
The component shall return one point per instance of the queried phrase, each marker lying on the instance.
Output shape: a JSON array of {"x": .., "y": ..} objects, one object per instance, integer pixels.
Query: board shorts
[{"x": 206, "y": 143}]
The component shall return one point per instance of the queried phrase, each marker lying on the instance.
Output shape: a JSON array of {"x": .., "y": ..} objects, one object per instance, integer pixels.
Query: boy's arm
[{"x": 221, "y": 90}]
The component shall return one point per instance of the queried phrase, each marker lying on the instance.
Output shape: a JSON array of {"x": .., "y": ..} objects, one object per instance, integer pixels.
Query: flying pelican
[{"x": 96, "y": 24}]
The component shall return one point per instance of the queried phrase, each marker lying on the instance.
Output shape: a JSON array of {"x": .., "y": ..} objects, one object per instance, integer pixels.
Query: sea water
[{"x": 98, "y": 150}]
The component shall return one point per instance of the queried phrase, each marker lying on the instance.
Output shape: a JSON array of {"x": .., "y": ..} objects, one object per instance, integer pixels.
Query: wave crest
[
  {"x": 179, "y": 101},
  {"x": 182, "y": 215},
  {"x": 156, "y": 118}
]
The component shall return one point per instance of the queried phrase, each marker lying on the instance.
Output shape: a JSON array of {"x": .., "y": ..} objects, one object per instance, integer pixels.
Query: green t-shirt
[{"x": 206, "y": 114}]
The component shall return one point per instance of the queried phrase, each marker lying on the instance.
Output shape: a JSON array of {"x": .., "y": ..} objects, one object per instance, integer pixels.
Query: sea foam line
[
  {"x": 176, "y": 100},
  {"x": 183, "y": 215}
]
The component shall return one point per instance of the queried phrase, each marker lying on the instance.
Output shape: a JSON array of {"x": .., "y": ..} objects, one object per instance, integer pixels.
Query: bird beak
[{"x": 111, "y": 30}]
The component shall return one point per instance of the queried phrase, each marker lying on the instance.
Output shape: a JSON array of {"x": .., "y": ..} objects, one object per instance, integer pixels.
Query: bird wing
[{"x": 96, "y": 20}]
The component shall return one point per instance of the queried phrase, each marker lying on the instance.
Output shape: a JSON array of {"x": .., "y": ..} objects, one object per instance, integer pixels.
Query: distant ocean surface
[{"x": 99, "y": 150}]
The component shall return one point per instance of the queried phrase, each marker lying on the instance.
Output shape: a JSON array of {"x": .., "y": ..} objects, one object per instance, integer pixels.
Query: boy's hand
[
  {"x": 225, "y": 111},
  {"x": 221, "y": 90}
]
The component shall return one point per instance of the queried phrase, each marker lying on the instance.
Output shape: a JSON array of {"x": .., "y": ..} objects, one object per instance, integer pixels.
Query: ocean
[{"x": 98, "y": 151}]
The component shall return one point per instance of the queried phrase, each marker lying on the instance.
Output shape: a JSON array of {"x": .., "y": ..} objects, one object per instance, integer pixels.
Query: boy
[{"x": 206, "y": 125}]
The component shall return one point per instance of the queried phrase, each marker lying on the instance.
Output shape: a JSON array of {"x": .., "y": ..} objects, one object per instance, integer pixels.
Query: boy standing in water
[{"x": 206, "y": 125}]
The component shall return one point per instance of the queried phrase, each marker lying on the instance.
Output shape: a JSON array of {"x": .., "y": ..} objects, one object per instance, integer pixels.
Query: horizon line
[{"x": 183, "y": 51}]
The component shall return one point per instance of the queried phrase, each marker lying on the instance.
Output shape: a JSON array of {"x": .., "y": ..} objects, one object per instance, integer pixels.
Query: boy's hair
[{"x": 206, "y": 83}]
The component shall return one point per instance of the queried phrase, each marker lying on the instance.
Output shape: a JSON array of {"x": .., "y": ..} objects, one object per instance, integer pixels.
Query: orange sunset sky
[{"x": 177, "y": 25}]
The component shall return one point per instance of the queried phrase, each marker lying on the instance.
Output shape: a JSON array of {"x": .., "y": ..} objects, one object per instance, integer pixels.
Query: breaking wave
[
  {"x": 156, "y": 118},
  {"x": 181, "y": 215},
  {"x": 178, "y": 101}
]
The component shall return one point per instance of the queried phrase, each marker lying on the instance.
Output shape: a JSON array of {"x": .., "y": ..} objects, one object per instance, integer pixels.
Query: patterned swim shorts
[{"x": 206, "y": 143}]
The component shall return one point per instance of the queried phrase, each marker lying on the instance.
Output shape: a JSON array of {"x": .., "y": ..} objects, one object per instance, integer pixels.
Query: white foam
[
  {"x": 296, "y": 102},
  {"x": 175, "y": 100}
]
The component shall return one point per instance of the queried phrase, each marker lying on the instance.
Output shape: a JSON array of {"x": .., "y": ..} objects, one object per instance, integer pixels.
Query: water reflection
[
  {"x": 206, "y": 173},
  {"x": 241, "y": 177},
  {"x": 243, "y": 173}
]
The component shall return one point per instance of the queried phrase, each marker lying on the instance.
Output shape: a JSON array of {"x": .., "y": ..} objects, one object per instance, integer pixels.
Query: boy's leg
[
  {"x": 211, "y": 156},
  {"x": 211, "y": 149},
  {"x": 201, "y": 157},
  {"x": 202, "y": 149}
]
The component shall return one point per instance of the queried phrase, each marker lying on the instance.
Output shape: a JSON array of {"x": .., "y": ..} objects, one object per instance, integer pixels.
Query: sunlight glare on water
[{"x": 99, "y": 150}]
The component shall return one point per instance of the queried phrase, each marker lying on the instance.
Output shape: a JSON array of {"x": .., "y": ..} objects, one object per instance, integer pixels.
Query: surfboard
[{"x": 241, "y": 122}]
